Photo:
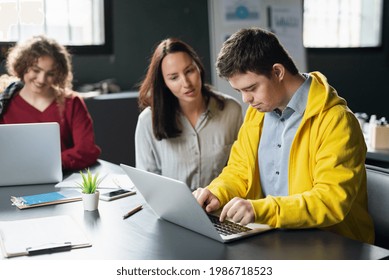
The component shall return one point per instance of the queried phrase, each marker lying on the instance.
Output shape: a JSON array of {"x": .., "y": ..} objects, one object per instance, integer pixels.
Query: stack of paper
[
  {"x": 109, "y": 181},
  {"x": 41, "y": 235}
]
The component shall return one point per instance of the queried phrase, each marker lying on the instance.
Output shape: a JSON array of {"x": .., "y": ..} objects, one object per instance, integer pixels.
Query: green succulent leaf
[{"x": 89, "y": 182}]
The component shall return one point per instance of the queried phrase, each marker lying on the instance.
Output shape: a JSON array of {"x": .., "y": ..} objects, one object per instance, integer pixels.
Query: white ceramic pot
[{"x": 91, "y": 201}]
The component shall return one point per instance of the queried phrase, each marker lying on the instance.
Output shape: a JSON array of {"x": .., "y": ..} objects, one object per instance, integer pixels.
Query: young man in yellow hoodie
[{"x": 299, "y": 160}]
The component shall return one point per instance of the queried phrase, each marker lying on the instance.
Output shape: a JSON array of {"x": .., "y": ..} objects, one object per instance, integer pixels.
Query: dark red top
[{"x": 77, "y": 136}]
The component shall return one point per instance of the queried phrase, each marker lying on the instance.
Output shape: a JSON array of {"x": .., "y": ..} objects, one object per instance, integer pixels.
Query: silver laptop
[
  {"x": 30, "y": 154},
  {"x": 173, "y": 201}
]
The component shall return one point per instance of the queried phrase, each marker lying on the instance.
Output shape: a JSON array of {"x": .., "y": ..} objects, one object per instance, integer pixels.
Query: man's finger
[{"x": 226, "y": 208}]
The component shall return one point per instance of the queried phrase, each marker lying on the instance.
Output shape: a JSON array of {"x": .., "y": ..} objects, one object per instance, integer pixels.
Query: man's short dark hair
[{"x": 252, "y": 50}]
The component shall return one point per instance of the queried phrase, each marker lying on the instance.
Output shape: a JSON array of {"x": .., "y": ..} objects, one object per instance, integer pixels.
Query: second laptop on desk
[
  {"x": 30, "y": 153},
  {"x": 173, "y": 201}
]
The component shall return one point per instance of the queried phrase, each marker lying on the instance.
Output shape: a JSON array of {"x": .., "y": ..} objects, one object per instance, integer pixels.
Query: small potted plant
[{"x": 89, "y": 192}]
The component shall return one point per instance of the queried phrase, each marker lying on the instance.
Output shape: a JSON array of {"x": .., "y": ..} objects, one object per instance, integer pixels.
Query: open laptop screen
[{"x": 30, "y": 154}]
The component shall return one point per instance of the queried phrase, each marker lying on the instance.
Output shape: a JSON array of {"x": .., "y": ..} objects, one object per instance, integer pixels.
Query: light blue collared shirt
[{"x": 277, "y": 136}]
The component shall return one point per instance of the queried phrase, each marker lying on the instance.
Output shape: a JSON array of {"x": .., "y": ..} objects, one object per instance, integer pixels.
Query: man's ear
[{"x": 279, "y": 71}]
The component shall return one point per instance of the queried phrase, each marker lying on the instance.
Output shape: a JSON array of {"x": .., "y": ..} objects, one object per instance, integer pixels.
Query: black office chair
[{"x": 378, "y": 198}]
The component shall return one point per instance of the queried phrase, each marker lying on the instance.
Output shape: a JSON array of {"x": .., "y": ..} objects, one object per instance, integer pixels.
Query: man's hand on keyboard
[
  {"x": 206, "y": 199},
  {"x": 239, "y": 211}
]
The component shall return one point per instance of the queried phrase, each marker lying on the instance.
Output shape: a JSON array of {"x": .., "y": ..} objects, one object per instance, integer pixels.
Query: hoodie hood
[{"x": 321, "y": 96}]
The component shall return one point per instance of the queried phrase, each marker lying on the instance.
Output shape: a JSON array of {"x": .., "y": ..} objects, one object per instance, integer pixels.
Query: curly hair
[{"x": 25, "y": 54}]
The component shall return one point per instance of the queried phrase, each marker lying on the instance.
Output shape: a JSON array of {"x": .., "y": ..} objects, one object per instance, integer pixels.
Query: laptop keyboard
[{"x": 227, "y": 227}]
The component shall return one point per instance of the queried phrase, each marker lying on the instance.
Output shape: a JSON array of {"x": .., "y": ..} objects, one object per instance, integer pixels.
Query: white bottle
[{"x": 372, "y": 126}]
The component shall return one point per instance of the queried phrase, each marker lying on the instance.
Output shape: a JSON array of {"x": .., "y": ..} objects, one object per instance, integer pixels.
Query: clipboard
[
  {"x": 41, "y": 236},
  {"x": 43, "y": 199}
]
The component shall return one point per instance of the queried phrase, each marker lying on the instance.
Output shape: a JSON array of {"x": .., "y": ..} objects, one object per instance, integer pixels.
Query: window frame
[
  {"x": 341, "y": 50},
  {"x": 104, "y": 49}
]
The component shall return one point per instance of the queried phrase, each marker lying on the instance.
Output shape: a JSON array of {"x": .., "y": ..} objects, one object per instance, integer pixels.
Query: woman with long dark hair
[{"x": 186, "y": 129}]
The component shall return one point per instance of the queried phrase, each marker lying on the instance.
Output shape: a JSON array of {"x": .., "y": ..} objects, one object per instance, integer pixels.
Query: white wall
[{"x": 228, "y": 16}]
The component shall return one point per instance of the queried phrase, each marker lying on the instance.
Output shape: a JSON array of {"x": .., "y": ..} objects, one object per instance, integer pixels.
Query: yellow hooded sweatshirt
[{"x": 327, "y": 175}]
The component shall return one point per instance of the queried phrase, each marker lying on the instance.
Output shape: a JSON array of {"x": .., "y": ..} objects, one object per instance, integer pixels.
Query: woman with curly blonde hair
[{"x": 43, "y": 93}]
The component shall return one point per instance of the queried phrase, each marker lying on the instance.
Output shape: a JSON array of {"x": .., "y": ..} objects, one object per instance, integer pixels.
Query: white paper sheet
[
  {"x": 17, "y": 236},
  {"x": 110, "y": 181}
]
